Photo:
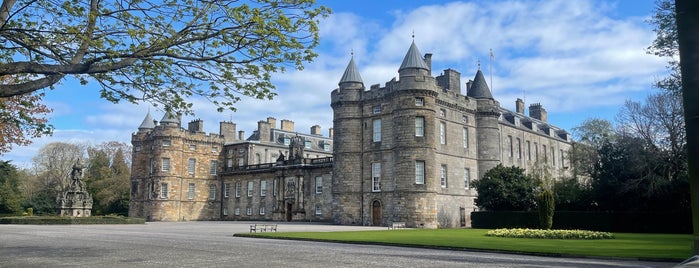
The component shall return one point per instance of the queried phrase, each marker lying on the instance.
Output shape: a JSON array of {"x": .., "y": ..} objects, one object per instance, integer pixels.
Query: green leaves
[{"x": 161, "y": 52}]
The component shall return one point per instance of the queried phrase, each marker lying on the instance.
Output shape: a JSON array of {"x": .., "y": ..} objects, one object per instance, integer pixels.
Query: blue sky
[{"x": 579, "y": 59}]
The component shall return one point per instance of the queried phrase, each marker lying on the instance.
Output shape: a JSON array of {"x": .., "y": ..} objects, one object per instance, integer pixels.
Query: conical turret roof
[
  {"x": 169, "y": 118},
  {"x": 351, "y": 73},
  {"x": 147, "y": 122},
  {"x": 479, "y": 89},
  {"x": 413, "y": 59}
]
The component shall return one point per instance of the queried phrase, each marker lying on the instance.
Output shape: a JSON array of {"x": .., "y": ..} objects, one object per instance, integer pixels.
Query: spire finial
[
  {"x": 352, "y": 53},
  {"x": 413, "y": 34},
  {"x": 478, "y": 61}
]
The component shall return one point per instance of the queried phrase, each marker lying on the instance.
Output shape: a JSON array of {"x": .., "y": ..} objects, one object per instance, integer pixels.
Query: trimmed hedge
[
  {"x": 71, "y": 220},
  {"x": 587, "y": 220}
]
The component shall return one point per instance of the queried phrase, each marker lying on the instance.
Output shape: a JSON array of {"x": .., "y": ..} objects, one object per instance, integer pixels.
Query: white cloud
[{"x": 572, "y": 56}]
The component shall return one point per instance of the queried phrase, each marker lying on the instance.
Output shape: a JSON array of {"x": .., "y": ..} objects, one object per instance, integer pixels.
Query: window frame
[
  {"x": 213, "y": 167},
  {"x": 191, "y": 166},
  {"x": 419, "y": 172},
  {"x": 376, "y": 130},
  {"x": 319, "y": 184},
  {"x": 163, "y": 191},
  {"x": 190, "y": 190},
  {"x": 376, "y": 177},
  {"x": 442, "y": 133},
  {"x": 443, "y": 176},
  {"x": 419, "y": 126},
  {"x": 212, "y": 191},
  {"x": 263, "y": 188},
  {"x": 251, "y": 188},
  {"x": 165, "y": 167}
]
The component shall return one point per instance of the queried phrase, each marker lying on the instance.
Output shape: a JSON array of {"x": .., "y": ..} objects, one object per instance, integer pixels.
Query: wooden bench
[
  {"x": 263, "y": 228},
  {"x": 397, "y": 225}
]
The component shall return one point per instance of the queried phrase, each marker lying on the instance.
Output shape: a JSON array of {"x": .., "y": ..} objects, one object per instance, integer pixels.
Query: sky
[{"x": 580, "y": 59}]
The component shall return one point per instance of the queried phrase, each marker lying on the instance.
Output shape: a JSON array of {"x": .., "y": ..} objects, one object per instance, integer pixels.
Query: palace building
[{"x": 406, "y": 151}]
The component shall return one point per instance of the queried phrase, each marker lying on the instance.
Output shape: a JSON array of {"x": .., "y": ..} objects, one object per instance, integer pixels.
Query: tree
[
  {"x": 666, "y": 45},
  {"x": 53, "y": 164},
  {"x": 21, "y": 119},
  {"x": 107, "y": 178},
  {"x": 505, "y": 188},
  {"x": 161, "y": 52},
  {"x": 659, "y": 122},
  {"x": 546, "y": 207},
  {"x": 590, "y": 135},
  {"x": 10, "y": 195}
]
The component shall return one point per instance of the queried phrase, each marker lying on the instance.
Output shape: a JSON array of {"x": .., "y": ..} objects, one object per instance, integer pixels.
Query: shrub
[
  {"x": 549, "y": 234},
  {"x": 546, "y": 208}
]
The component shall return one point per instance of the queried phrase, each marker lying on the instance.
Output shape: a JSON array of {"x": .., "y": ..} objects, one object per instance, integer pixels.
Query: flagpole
[{"x": 492, "y": 88}]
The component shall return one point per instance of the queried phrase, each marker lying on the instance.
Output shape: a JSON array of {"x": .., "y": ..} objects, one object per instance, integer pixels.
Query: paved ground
[{"x": 211, "y": 244}]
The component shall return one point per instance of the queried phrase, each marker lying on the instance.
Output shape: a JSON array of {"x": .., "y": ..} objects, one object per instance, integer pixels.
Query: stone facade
[{"x": 403, "y": 152}]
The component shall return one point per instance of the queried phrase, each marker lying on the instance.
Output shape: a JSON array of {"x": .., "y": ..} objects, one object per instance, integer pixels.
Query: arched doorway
[{"x": 376, "y": 213}]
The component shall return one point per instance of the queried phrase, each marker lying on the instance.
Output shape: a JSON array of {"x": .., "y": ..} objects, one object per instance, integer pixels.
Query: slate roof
[
  {"x": 413, "y": 59},
  {"x": 147, "y": 122},
  {"x": 351, "y": 73},
  {"x": 479, "y": 89},
  {"x": 169, "y": 118}
]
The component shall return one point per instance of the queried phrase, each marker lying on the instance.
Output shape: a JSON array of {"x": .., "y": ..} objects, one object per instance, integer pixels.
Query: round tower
[
  {"x": 347, "y": 149},
  {"x": 487, "y": 126}
]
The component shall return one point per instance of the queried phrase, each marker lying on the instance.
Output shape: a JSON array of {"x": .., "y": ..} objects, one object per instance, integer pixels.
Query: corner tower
[
  {"x": 347, "y": 149},
  {"x": 487, "y": 126}
]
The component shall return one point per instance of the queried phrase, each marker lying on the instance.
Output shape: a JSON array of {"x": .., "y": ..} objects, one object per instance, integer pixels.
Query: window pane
[
  {"x": 212, "y": 192},
  {"x": 319, "y": 185},
  {"x": 263, "y": 188},
  {"x": 376, "y": 177},
  {"x": 191, "y": 166},
  {"x": 443, "y": 175},
  {"x": 442, "y": 133},
  {"x": 377, "y": 130},
  {"x": 212, "y": 167},
  {"x": 419, "y": 126},
  {"x": 420, "y": 172},
  {"x": 166, "y": 164},
  {"x": 190, "y": 191}
]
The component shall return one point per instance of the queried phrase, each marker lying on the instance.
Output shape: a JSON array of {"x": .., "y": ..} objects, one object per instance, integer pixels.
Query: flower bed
[{"x": 549, "y": 234}]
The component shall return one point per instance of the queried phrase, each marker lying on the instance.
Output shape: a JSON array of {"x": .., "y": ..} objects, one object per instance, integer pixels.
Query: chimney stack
[
  {"x": 241, "y": 135},
  {"x": 520, "y": 106},
  {"x": 287, "y": 125},
  {"x": 272, "y": 122},
  {"x": 537, "y": 111},
  {"x": 315, "y": 130},
  {"x": 330, "y": 132}
]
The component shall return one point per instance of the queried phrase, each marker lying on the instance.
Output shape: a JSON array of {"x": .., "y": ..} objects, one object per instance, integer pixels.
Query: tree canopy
[
  {"x": 158, "y": 52},
  {"x": 506, "y": 188}
]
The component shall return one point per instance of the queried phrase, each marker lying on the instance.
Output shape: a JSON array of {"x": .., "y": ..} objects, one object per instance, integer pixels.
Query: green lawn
[{"x": 670, "y": 247}]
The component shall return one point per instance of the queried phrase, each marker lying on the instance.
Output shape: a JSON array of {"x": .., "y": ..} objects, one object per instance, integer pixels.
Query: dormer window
[{"x": 287, "y": 141}]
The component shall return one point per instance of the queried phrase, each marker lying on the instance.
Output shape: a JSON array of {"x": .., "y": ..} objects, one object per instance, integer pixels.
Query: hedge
[
  {"x": 71, "y": 220},
  {"x": 597, "y": 221}
]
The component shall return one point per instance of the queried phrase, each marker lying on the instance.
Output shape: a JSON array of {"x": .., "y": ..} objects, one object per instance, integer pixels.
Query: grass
[{"x": 661, "y": 247}]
